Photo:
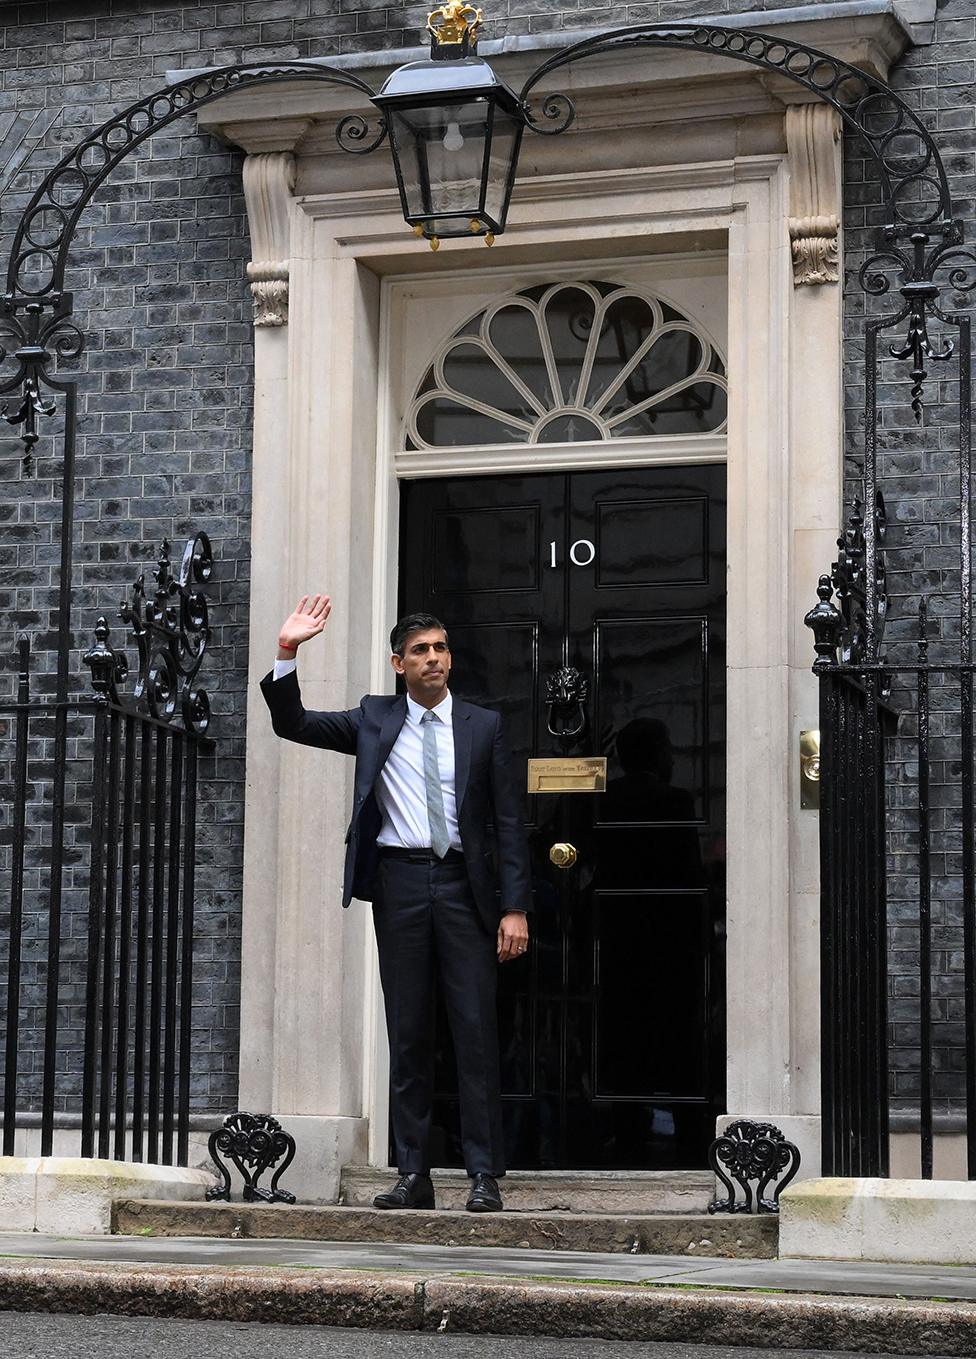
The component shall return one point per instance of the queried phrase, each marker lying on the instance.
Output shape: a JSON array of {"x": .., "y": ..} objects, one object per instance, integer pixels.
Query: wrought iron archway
[
  {"x": 35, "y": 313},
  {"x": 920, "y": 256}
]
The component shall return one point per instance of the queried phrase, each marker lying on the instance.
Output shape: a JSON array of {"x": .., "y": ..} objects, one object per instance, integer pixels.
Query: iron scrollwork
[
  {"x": 556, "y": 108},
  {"x": 566, "y": 695},
  {"x": 39, "y": 253},
  {"x": 34, "y": 310},
  {"x": 254, "y": 1143},
  {"x": 32, "y": 340},
  {"x": 751, "y": 1153},
  {"x": 170, "y": 627},
  {"x": 353, "y": 134},
  {"x": 916, "y": 271},
  {"x": 856, "y": 629},
  {"x": 914, "y": 178}
]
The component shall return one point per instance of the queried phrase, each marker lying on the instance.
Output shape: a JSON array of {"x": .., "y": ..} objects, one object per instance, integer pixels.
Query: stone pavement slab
[{"x": 855, "y": 1278}]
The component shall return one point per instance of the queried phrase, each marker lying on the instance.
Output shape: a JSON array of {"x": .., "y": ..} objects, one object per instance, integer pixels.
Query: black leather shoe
[
  {"x": 410, "y": 1191},
  {"x": 484, "y": 1196}
]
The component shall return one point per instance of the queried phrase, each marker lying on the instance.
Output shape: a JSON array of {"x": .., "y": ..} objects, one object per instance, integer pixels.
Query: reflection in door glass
[
  {"x": 653, "y": 719},
  {"x": 495, "y": 666}
]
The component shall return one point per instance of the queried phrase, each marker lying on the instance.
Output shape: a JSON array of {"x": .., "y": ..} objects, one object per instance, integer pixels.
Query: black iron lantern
[{"x": 455, "y": 131}]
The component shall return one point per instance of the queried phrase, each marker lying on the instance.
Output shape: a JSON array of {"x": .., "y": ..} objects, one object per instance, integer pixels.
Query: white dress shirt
[{"x": 400, "y": 788}]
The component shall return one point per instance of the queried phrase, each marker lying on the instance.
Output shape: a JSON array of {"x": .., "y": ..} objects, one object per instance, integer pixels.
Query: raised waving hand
[{"x": 307, "y": 621}]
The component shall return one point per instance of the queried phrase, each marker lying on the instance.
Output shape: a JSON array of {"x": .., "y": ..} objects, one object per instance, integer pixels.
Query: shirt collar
[{"x": 442, "y": 711}]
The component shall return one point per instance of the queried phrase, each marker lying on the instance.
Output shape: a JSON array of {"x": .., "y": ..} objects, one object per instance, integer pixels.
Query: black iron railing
[
  {"x": 100, "y": 851},
  {"x": 897, "y": 780},
  {"x": 876, "y": 708},
  {"x": 898, "y": 903},
  {"x": 854, "y": 723}
]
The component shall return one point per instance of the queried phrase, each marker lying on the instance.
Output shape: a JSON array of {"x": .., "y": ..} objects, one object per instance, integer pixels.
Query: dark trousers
[{"x": 428, "y": 929}]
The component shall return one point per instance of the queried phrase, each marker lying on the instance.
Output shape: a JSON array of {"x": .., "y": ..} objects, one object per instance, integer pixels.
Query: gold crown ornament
[{"x": 454, "y": 24}]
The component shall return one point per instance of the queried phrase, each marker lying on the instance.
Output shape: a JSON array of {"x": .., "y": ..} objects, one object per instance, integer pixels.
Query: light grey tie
[{"x": 440, "y": 841}]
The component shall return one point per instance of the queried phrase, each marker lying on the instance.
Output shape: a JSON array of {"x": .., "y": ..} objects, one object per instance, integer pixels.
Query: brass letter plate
[{"x": 568, "y": 775}]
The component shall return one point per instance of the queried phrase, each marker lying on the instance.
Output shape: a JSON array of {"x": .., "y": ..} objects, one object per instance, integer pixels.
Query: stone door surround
[{"x": 749, "y": 181}]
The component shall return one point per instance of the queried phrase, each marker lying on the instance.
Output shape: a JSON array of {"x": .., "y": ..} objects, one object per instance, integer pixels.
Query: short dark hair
[{"x": 413, "y": 622}]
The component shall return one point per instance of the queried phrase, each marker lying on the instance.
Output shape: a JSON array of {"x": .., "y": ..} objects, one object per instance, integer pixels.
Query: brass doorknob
[{"x": 563, "y": 856}]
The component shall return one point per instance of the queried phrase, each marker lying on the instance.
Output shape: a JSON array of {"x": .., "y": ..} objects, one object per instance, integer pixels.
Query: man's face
[{"x": 425, "y": 665}]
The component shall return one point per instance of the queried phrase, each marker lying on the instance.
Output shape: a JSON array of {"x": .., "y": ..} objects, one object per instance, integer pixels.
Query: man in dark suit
[{"x": 431, "y": 775}]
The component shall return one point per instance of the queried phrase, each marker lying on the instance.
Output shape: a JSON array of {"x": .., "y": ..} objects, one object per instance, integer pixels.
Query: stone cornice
[{"x": 871, "y": 34}]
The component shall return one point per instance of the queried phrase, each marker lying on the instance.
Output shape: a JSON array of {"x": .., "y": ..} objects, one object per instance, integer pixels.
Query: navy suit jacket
[{"x": 485, "y": 790}]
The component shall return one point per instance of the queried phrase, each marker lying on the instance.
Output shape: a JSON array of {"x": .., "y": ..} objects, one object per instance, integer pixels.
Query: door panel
[
  {"x": 653, "y": 697},
  {"x": 652, "y": 542},
  {"x": 505, "y": 657},
  {"x": 667, "y": 932},
  {"x": 484, "y": 549},
  {"x": 612, "y": 1029}
]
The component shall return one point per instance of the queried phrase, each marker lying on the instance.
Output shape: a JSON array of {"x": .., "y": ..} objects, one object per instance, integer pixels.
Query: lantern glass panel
[
  {"x": 506, "y": 134},
  {"x": 441, "y": 154}
]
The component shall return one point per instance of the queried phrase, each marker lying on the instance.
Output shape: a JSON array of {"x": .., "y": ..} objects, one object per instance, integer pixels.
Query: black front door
[{"x": 612, "y": 1029}]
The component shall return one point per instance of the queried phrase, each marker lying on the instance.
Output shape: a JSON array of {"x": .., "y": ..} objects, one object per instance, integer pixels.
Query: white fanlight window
[{"x": 580, "y": 361}]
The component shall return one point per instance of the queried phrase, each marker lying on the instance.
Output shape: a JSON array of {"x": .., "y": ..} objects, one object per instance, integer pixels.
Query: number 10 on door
[{"x": 582, "y": 553}]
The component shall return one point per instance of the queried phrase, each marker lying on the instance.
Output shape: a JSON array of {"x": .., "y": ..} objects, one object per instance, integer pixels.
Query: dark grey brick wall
[
  {"x": 165, "y": 387},
  {"x": 165, "y": 381},
  {"x": 919, "y": 466}
]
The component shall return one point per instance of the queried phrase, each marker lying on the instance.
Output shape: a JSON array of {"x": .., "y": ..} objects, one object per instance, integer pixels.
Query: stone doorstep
[
  {"x": 692, "y": 1234},
  {"x": 555, "y": 1191}
]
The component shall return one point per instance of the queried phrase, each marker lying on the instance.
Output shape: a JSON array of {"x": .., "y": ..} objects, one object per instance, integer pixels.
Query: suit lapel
[
  {"x": 461, "y": 722},
  {"x": 389, "y": 731}
]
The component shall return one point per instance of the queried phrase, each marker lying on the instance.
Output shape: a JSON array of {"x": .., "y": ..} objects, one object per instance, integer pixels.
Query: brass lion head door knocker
[{"x": 566, "y": 695}]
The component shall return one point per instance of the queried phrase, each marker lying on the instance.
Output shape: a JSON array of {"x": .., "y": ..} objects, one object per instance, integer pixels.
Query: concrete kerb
[
  {"x": 701, "y": 1316},
  {"x": 399, "y": 1302},
  {"x": 289, "y": 1296}
]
